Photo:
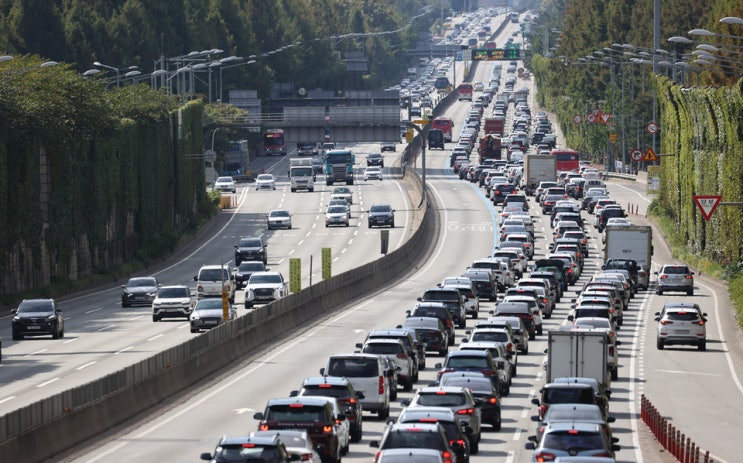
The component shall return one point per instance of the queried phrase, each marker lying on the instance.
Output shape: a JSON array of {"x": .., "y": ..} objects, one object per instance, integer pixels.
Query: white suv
[
  {"x": 172, "y": 301},
  {"x": 265, "y": 287},
  {"x": 681, "y": 323}
]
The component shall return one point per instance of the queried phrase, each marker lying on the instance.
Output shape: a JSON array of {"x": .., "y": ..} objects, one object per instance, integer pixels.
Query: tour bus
[
  {"x": 464, "y": 91},
  {"x": 567, "y": 160}
]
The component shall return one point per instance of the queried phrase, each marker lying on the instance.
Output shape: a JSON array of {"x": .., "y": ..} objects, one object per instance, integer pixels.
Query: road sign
[
  {"x": 459, "y": 56},
  {"x": 650, "y": 155},
  {"x": 613, "y": 136},
  {"x": 707, "y": 204},
  {"x": 652, "y": 128},
  {"x": 636, "y": 155},
  {"x": 591, "y": 118},
  {"x": 420, "y": 121},
  {"x": 605, "y": 117},
  {"x": 577, "y": 119}
]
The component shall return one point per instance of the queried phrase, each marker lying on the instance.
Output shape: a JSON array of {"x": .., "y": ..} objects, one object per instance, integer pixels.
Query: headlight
[
  {"x": 16, "y": 319},
  {"x": 152, "y": 294},
  {"x": 249, "y": 295},
  {"x": 195, "y": 316},
  {"x": 51, "y": 317}
]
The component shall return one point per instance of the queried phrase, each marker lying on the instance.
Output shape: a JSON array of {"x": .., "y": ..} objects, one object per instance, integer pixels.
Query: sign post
[
  {"x": 295, "y": 275},
  {"x": 326, "y": 264}
]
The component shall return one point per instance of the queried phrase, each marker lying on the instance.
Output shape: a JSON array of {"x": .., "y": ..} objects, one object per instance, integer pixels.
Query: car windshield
[
  {"x": 224, "y": 180},
  {"x": 336, "y": 210},
  {"x": 266, "y": 278},
  {"x": 573, "y": 440},
  {"x": 214, "y": 274},
  {"x": 473, "y": 384},
  {"x": 251, "y": 267},
  {"x": 35, "y": 306},
  {"x": 169, "y": 293},
  {"x": 573, "y": 413},
  {"x": 209, "y": 304},
  {"x": 241, "y": 453},
  {"x": 682, "y": 316},
  {"x": 439, "y": 399},
  {"x": 141, "y": 282},
  {"x": 249, "y": 243},
  {"x": 381, "y": 208},
  {"x": 265, "y": 177},
  {"x": 279, "y": 213},
  {"x": 676, "y": 270},
  {"x": 342, "y": 191},
  {"x": 568, "y": 395}
]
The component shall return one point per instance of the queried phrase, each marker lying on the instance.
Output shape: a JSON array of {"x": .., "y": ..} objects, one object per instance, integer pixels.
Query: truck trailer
[
  {"x": 633, "y": 242},
  {"x": 538, "y": 168}
]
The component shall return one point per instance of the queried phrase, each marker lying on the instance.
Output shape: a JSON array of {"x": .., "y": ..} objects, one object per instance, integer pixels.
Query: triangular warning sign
[
  {"x": 707, "y": 204},
  {"x": 650, "y": 155},
  {"x": 605, "y": 117}
]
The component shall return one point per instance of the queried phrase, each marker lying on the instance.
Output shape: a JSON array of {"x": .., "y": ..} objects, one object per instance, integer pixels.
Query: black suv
[
  {"x": 37, "y": 316},
  {"x": 408, "y": 337},
  {"x": 245, "y": 269},
  {"x": 375, "y": 159},
  {"x": 452, "y": 299},
  {"x": 242, "y": 448},
  {"x": 343, "y": 391},
  {"x": 436, "y": 310},
  {"x": 251, "y": 248},
  {"x": 566, "y": 393},
  {"x": 312, "y": 414},
  {"x": 500, "y": 192},
  {"x": 381, "y": 214},
  {"x": 480, "y": 361}
]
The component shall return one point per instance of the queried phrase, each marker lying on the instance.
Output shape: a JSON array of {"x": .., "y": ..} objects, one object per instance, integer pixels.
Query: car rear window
[
  {"x": 296, "y": 412},
  {"x": 440, "y": 296},
  {"x": 490, "y": 336},
  {"x": 354, "y": 367},
  {"x": 326, "y": 390},
  {"x": 567, "y": 440},
  {"x": 676, "y": 270},
  {"x": 257, "y": 453},
  {"x": 682, "y": 316},
  {"x": 467, "y": 362},
  {"x": 568, "y": 395},
  {"x": 383, "y": 349},
  {"x": 434, "y": 399},
  {"x": 413, "y": 439}
]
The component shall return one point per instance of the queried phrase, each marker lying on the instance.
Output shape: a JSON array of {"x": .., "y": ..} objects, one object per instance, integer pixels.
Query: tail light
[
  {"x": 543, "y": 410},
  {"x": 376, "y": 457},
  {"x": 688, "y": 277},
  {"x": 402, "y": 355},
  {"x": 458, "y": 441},
  {"x": 493, "y": 401},
  {"x": 327, "y": 429},
  {"x": 544, "y": 300},
  {"x": 544, "y": 456},
  {"x": 487, "y": 372},
  {"x": 305, "y": 457},
  {"x": 448, "y": 323},
  {"x": 263, "y": 427},
  {"x": 666, "y": 322},
  {"x": 663, "y": 277},
  {"x": 611, "y": 351},
  {"x": 698, "y": 322},
  {"x": 466, "y": 411},
  {"x": 446, "y": 455},
  {"x": 381, "y": 384}
]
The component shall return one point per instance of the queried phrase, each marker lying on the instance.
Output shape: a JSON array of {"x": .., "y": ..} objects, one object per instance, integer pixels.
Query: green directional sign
[{"x": 495, "y": 54}]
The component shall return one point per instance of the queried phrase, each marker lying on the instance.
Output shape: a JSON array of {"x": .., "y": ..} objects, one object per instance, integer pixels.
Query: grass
[{"x": 733, "y": 274}]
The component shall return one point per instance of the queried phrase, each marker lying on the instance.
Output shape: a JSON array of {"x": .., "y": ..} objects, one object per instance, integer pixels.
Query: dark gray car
[{"x": 34, "y": 317}]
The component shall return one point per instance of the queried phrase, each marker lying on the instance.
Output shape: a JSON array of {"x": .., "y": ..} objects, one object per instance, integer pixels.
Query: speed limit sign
[
  {"x": 652, "y": 128},
  {"x": 577, "y": 119},
  {"x": 636, "y": 155}
]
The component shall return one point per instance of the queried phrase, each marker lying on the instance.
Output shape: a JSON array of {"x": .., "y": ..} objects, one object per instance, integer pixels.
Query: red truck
[
  {"x": 495, "y": 125},
  {"x": 489, "y": 148}
]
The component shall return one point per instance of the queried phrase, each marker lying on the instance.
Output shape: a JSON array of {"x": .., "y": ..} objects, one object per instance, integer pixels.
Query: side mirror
[
  {"x": 535, "y": 401},
  {"x": 293, "y": 393},
  {"x": 359, "y": 345},
  {"x": 258, "y": 416},
  {"x": 206, "y": 456},
  {"x": 438, "y": 365},
  {"x": 322, "y": 371},
  {"x": 360, "y": 395},
  {"x": 405, "y": 402},
  {"x": 196, "y": 278},
  {"x": 374, "y": 444}
]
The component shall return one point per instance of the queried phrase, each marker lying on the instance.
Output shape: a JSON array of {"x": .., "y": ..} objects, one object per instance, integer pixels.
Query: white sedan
[
  {"x": 373, "y": 173},
  {"x": 225, "y": 184},
  {"x": 265, "y": 182},
  {"x": 279, "y": 218}
]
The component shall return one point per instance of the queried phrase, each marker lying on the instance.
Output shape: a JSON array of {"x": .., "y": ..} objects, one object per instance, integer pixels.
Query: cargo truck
[
  {"x": 578, "y": 353},
  {"x": 633, "y": 242},
  {"x": 489, "y": 148},
  {"x": 339, "y": 167},
  {"x": 301, "y": 174},
  {"x": 538, "y": 168},
  {"x": 495, "y": 125}
]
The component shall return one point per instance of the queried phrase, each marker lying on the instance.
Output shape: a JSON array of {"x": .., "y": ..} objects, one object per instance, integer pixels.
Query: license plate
[
  {"x": 211, "y": 322},
  {"x": 32, "y": 327},
  {"x": 680, "y": 331}
]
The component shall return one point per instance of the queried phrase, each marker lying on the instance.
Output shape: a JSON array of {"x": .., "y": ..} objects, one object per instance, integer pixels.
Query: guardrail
[{"x": 677, "y": 443}]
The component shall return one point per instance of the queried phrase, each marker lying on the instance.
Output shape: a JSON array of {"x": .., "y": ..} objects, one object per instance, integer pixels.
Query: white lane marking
[
  {"x": 155, "y": 337},
  {"x": 123, "y": 350},
  {"x": 135, "y": 318},
  {"x": 237, "y": 379},
  {"x": 37, "y": 352},
  {"x": 46, "y": 383},
  {"x": 93, "y": 310},
  {"x": 300, "y": 243},
  {"x": 70, "y": 340},
  {"x": 105, "y": 328},
  {"x": 81, "y": 367},
  {"x": 441, "y": 243},
  {"x": 511, "y": 453},
  {"x": 644, "y": 198},
  {"x": 291, "y": 252},
  {"x": 517, "y": 434},
  {"x": 7, "y": 399},
  {"x": 681, "y": 372}
]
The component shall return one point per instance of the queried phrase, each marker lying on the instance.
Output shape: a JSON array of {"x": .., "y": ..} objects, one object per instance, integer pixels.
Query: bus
[
  {"x": 274, "y": 142},
  {"x": 464, "y": 91},
  {"x": 442, "y": 83},
  {"x": 482, "y": 34},
  {"x": 567, "y": 160},
  {"x": 514, "y": 17},
  {"x": 445, "y": 124}
]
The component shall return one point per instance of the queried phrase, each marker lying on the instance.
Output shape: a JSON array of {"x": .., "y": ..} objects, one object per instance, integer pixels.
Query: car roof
[
  {"x": 317, "y": 401},
  {"x": 331, "y": 380},
  {"x": 259, "y": 440},
  {"x": 440, "y": 413}
]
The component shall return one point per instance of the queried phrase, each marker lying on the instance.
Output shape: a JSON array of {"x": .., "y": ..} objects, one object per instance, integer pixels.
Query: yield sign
[
  {"x": 707, "y": 204},
  {"x": 605, "y": 117},
  {"x": 650, "y": 155}
]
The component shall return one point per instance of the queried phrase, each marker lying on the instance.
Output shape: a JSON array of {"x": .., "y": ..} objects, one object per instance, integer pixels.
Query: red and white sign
[
  {"x": 605, "y": 117},
  {"x": 636, "y": 155},
  {"x": 652, "y": 128},
  {"x": 650, "y": 155},
  {"x": 591, "y": 118},
  {"x": 707, "y": 204},
  {"x": 577, "y": 119}
]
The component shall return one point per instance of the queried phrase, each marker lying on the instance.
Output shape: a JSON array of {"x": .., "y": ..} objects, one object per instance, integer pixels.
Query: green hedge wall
[{"x": 704, "y": 128}]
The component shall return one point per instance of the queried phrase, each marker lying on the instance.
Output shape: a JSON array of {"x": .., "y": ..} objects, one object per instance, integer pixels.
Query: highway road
[{"x": 700, "y": 391}]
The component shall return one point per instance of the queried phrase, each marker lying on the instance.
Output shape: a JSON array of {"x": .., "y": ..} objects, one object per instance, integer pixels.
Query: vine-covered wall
[
  {"x": 85, "y": 205},
  {"x": 703, "y": 127}
]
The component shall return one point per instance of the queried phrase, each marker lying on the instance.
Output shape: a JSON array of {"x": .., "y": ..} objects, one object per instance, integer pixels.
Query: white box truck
[
  {"x": 301, "y": 174},
  {"x": 579, "y": 353},
  {"x": 630, "y": 242},
  {"x": 538, "y": 168}
]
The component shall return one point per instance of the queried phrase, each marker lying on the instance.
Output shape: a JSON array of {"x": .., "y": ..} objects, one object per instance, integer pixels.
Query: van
[
  {"x": 212, "y": 279},
  {"x": 367, "y": 375},
  {"x": 593, "y": 183}
]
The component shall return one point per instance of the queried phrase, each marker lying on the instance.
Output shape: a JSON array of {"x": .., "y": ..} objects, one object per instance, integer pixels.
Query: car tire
[
  {"x": 463, "y": 324},
  {"x": 125, "y": 304},
  {"x": 475, "y": 446},
  {"x": 194, "y": 331},
  {"x": 497, "y": 422},
  {"x": 384, "y": 413},
  {"x": 17, "y": 336},
  {"x": 443, "y": 352},
  {"x": 507, "y": 390},
  {"x": 513, "y": 371},
  {"x": 393, "y": 394},
  {"x": 614, "y": 373},
  {"x": 392, "y": 224},
  {"x": 248, "y": 305},
  {"x": 539, "y": 330},
  {"x": 408, "y": 386},
  {"x": 356, "y": 434},
  {"x": 702, "y": 346},
  {"x": 61, "y": 333},
  {"x": 690, "y": 292},
  {"x": 155, "y": 318},
  {"x": 370, "y": 225},
  {"x": 659, "y": 344},
  {"x": 659, "y": 292}
]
